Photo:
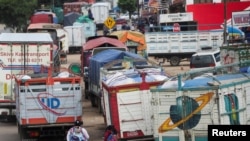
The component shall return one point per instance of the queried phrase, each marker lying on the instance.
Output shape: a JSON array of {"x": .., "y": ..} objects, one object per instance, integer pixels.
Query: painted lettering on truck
[{"x": 50, "y": 103}]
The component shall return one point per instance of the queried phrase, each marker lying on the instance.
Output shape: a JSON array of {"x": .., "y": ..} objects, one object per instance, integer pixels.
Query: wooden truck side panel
[
  {"x": 182, "y": 42},
  {"x": 183, "y": 114}
]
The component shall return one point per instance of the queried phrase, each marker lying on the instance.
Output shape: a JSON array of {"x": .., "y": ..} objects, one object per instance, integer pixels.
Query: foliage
[
  {"x": 127, "y": 5},
  {"x": 16, "y": 13}
]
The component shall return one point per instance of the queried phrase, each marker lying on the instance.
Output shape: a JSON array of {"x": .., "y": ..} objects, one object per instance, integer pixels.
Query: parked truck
[
  {"x": 176, "y": 46},
  {"x": 76, "y": 37},
  {"x": 22, "y": 53}
]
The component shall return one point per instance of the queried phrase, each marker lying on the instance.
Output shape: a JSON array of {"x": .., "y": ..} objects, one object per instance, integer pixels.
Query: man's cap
[{"x": 78, "y": 123}]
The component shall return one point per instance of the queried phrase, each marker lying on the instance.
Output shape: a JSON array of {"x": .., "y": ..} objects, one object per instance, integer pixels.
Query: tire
[
  {"x": 21, "y": 133},
  {"x": 175, "y": 61},
  {"x": 93, "y": 100},
  {"x": 86, "y": 95},
  {"x": 98, "y": 100}
]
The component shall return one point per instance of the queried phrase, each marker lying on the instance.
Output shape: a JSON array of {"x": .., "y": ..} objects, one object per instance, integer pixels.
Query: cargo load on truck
[
  {"x": 89, "y": 26},
  {"x": 23, "y": 53},
  {"x": 134, "y": 40}
]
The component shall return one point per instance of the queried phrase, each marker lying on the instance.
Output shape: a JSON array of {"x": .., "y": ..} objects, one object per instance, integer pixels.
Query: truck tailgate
[{"x": 42, "y": 101}]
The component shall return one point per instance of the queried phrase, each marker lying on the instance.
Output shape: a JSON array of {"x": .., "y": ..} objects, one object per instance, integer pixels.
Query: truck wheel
[
  {"x": 21, "y": 133},
  {"x": 86, "y": 94},
  {"x": 175, "y": 61},
  {"x": 93, "y": 100},
  {"x": 98, "y": 100}
]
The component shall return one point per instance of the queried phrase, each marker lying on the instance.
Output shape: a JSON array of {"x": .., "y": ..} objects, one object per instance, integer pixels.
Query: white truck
[
  {"x": 100, "y": 11},
  {"x": 175, "y": 46},
  {"x": 22, "y": 53},
  {"x": 76, "y": 37}
]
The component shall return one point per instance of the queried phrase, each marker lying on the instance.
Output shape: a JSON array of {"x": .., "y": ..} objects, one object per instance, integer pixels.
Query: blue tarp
[
  {"x": 100, "y": 59},
  {"x": 203, "y": 82}
]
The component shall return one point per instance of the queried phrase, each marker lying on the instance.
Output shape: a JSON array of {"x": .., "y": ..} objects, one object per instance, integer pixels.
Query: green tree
[
  {"x": 128, "y": 5},
  {"x": 16, "y": 13}
]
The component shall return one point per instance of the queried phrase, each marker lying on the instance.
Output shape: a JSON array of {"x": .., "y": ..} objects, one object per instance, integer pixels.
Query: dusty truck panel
[
  {"x": 47, "y": 106},
  {"x": 127, "y": 103},
  {"x": 21, "y": 53},
  {"x": 184, "y": 112}
]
